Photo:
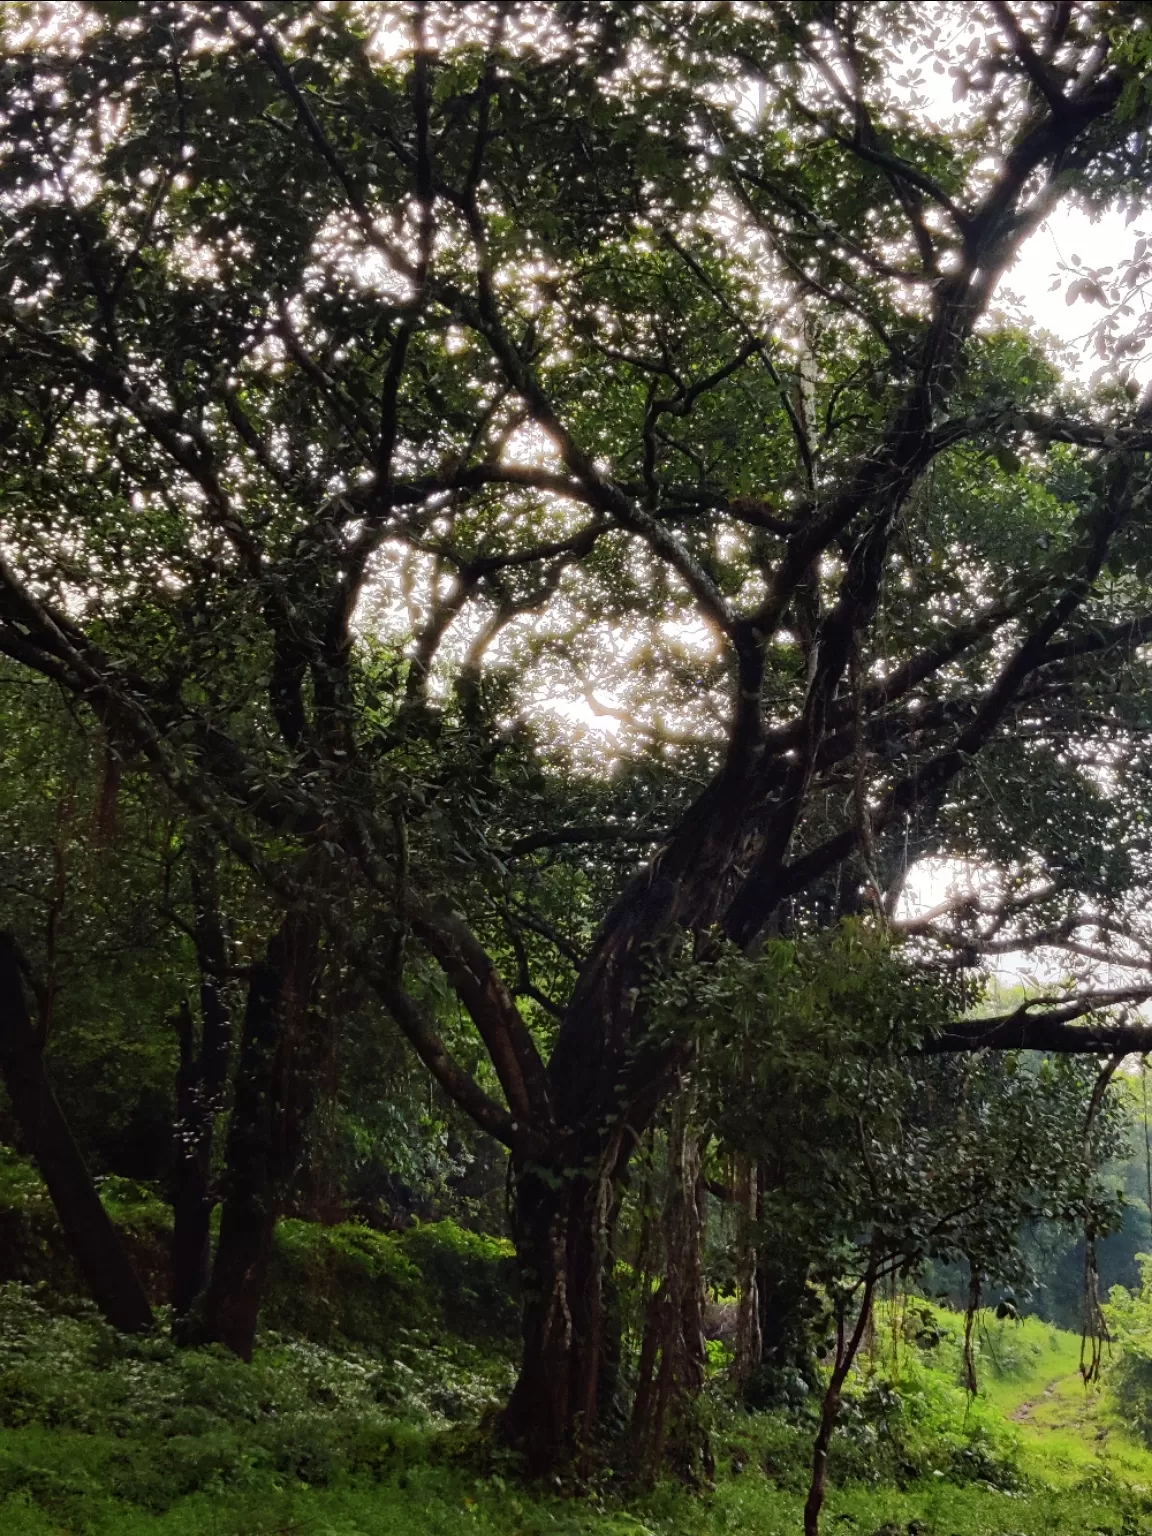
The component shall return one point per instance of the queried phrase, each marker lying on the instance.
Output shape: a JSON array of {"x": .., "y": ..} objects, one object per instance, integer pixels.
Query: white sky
[{"x": 1069, "y": 232}]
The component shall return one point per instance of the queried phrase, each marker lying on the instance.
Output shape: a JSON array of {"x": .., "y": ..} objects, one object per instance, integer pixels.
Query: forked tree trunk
[
  {"x": 92, "y": 1239},
  {"x": 555, "y": 1402},
  {"x": 273, "y": 1097},
  {"x": 565, "y": 1211}
]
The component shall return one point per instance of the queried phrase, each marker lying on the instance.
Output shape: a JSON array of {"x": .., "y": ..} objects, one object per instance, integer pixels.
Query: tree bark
[
  {"x": 603, "y": 1095},
  {"x": 547, "y": 1417},
  {"x": 781, "y": 1294},
  {"x": 673, "y": 1360},
  {"x": 273, "y": 1097},
  {"x": 200, "y": 1083},
  {"x": 749, "y": 1334},
  {"x": 93, "y": 1240}
]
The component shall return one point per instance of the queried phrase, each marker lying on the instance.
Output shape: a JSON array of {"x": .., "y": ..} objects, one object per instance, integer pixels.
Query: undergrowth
[
  {"x": 327, "y": 1283},
  {"x": 105, "y": 1436},
  {"x": 366, "y": 1410}
]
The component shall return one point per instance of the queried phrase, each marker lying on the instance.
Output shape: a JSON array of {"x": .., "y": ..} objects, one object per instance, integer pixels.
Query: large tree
[{"x": 380, "y": 379}]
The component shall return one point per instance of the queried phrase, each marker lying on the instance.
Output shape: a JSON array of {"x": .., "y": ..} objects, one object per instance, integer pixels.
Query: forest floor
[{"x": 105, "y": 1437}]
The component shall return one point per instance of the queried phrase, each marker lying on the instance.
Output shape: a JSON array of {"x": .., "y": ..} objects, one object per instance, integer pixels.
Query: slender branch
[
  {"x": 767, "y": 886},
  {"x": 565, "y": 837},
  {"x": 261, "y": 40},
  {"x": 506, "y": 1037},
  {"x": 127, "y": 714}
]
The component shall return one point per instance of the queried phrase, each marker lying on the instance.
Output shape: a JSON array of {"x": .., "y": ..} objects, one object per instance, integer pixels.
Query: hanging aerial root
[
  {"x": 1094, "y": 1335},
  {"x": 971, "y": 1384}
]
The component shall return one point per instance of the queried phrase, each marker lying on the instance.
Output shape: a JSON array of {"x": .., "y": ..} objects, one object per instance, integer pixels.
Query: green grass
[
  {"x": 64, "y": 1494},
  {"x": 431, "y": 1500}
]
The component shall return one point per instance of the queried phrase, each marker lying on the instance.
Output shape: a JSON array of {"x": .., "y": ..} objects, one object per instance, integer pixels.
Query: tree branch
[{"x": 1024, "y": 1029}]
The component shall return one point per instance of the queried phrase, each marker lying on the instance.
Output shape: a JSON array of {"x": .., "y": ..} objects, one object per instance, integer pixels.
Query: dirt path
[{"x": 1024, "y": 1413}]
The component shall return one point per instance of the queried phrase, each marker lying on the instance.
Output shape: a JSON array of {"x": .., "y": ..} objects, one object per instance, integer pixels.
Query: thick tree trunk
[
  {"x": 782, "y": 1295},
  {"x": 784, "y": 1307},
  {"x": 673, "y": 1358},
  {"x": 565, "y": 1212},
  {"x": 200, "y": 1083},
  {"x": 273, "y": 1097},
  {"x": 554, "y": 1405},
  {"x": 564, "y": 1218},
  {"x": 93, "y": 1240},
  {"x": 596, "y": 1079}
]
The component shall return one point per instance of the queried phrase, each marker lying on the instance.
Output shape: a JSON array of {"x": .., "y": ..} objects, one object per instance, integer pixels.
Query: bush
[
  {"x": 351, "y": 1282},
  {"x": 325, "y": 1283},
  {"x": 470, "y": 1277},
  {"x": 33, "y": 1249},
  {"x": 32, "y": 1246},
  {"x": 1129, "y": 1318},
  {"x": 344, "y": 1281},
  {"x": 922, "y": 1426}
]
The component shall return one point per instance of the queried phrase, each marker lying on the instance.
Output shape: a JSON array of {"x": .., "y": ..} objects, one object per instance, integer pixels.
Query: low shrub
[
  {"x": 343, "y": 1281},
  {"x": 470, "y": 1277},
  {"x": 159, "y": 1424},
  {"x": 32, "y": 1246},
  {"x": 1129, "y": 1376},
  {"x": 922, "y": 1426},
  {"x": 326, "y": 1283}
]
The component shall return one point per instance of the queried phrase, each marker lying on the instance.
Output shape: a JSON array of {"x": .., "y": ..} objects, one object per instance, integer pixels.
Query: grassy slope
[
  {"x": 1067, "y": 1431},
  {"x": 104, "y": 1439}
]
